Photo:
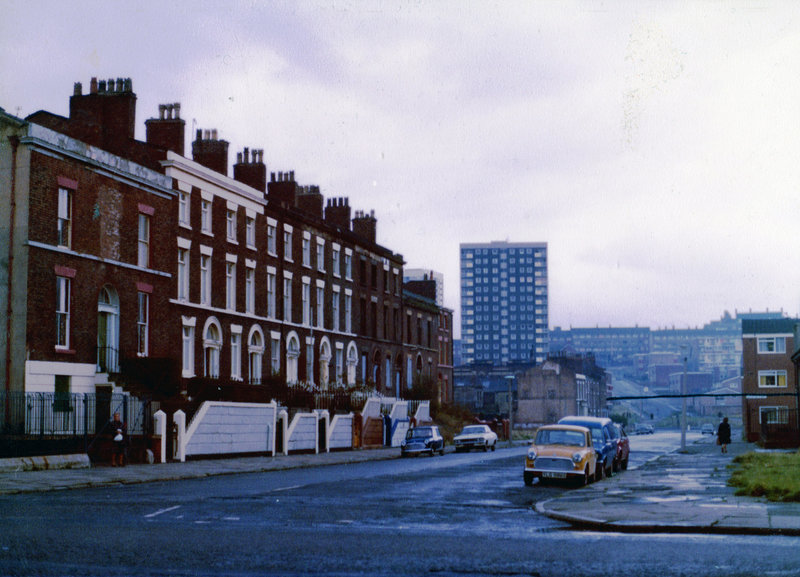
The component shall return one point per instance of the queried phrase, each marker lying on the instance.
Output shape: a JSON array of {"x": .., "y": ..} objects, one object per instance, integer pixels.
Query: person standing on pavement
[
  {"x": 119, "y": 437},
  {"x": 724, "y": 435}
]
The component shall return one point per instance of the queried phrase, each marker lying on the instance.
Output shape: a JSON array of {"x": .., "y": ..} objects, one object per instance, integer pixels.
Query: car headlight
[
  {"x": 531, "y": 454},
  {"x": 576, "y": 458},
  {"x": 403, "y": 443}
]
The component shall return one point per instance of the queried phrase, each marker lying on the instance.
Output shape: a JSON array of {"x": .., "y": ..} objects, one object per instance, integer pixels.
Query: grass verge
[{"x": 775, "y": 476}]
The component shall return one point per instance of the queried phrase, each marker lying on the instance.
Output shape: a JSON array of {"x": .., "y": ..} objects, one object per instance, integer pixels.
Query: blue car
[
  {"x": 603, "y": 438},
  {"x": 420, "y": 440}
]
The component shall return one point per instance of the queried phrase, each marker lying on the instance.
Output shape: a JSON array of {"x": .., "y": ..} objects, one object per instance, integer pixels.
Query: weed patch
[{"x": 775, "y": 476}]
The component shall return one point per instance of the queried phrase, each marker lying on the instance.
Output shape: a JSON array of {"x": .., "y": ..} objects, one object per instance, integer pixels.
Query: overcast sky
[{"x": 654, "y": 146}]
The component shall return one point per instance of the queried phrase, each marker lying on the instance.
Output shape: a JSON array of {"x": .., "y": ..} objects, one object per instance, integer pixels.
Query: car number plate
[{"x": 554, "y": 475}]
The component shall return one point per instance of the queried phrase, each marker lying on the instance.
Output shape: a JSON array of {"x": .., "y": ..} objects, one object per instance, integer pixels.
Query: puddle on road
[{"x": 676, "y": 499}]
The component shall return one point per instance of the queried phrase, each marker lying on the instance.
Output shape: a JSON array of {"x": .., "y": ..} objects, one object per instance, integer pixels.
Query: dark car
[
  {"x": 623, "y": 448},
  {"x": 605, "y": 444},
  {"x": 644, "y": 429},
  {"x": 425, "y": 439}
]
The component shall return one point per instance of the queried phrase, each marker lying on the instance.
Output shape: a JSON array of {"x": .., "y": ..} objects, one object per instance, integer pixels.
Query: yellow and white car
[{"x": 561, "y": 452}]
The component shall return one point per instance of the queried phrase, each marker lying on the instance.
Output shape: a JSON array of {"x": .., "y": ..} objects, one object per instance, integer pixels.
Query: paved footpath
[{"x": 676, "y": 492}]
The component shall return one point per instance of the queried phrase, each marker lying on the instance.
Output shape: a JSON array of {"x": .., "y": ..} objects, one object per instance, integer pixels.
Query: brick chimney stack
[
  {"x": 337, "y": 213},
  {"x": 106, "y": 117},
  {"x": 365, "y": 225},
  {"x": 211, "y": 152},
  {"x": 251, "y": 170},
  {"x": 282, "y": 189},
  {"x": 309, "y": 200},
  {"x": 167, "y": 131}
]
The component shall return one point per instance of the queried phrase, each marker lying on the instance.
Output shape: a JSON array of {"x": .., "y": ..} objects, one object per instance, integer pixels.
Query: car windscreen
[
  {"x": 558, "y": 437},
  {"x": 473, "y": 431},
  {"x": 423, "y": 433}
]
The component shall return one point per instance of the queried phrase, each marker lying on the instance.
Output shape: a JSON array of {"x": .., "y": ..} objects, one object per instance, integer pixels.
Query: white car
[{"x": 475, "y": 437}]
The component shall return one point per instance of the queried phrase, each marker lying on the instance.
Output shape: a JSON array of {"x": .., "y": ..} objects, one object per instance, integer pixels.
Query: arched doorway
[
  {"x": 255, "y": 355},
  {"x": 398, "y": 375},
  {"x": 376, "y": 370},
  {"x": 292, "y": 356},
  {"x": 108, "y": 330},
  {"x": 352, "y": 363},
  {"x": 325, "y": 357},
  {"x": 212, "y": 344}
]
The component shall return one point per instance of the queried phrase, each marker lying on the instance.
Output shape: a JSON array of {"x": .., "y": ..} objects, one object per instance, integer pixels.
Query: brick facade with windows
[
  {"x": 147, "y": 226},
  {"x": 769, "y": 379}
]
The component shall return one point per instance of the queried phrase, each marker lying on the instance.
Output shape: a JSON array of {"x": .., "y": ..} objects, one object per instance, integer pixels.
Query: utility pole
[
  {"x": 683, "y": 399},
  {"x": 510, "y": 379}
]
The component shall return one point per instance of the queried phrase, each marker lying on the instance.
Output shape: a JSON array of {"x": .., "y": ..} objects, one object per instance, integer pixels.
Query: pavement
[{"x": 677, "y": 492}]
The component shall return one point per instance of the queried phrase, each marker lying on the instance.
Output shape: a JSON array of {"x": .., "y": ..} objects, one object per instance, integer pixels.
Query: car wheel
[
  {"x": 494, "y": 445},
  {"x": 610, "y": 470},
  {"x": 485, "y": 448},
  {"x": 528, "y": 478},
  {"x": 600, "y": 472},
  {"x": 441, "y": 451},
  {"x": 625, "y": 465},
  {"x": 615, "y": 465},
  {"x": 586, "y": 477}
]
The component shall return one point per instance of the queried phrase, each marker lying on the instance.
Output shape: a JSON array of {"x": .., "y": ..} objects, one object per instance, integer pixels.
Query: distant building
[
  {"x": 561, "y": 386},
  {"x": 504, "y": 302},
  {"x": 611, "y": 346},
  {"x": 421, "y": 274},
  {"x": 727, "y": 403},
  {"x": 715, "y": 348}
]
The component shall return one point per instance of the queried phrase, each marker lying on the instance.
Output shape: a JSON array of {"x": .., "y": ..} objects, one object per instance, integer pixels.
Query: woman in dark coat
[{"x": 724, "y": 435}]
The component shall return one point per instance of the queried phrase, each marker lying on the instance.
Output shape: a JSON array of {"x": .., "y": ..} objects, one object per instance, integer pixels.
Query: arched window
[
  {"x": 212, "y": 343},
  {"x": 255, "y": 354},
  {"x": 292, "y": 356}
]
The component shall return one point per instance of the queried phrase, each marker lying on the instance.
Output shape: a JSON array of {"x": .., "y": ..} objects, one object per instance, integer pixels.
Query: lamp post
[
  {"x": 510, "y": 379},
  {"x": 683, "y": 399}
]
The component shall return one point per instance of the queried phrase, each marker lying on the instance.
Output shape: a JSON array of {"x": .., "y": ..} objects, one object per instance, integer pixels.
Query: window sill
[{"x": 65, "y": 351}]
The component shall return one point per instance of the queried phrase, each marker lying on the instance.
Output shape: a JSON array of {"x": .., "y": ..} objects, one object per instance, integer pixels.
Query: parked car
[
  {"x": 707, "y": 429},
  {"x": 603, "y": 439},
  {"x": 561, "y": 452},
  {"x": 644, "y": 429},
  {"x": 419, "y": 440},
  {"x": 475, "y": 437},
  {"x": 623, "y": 448}
]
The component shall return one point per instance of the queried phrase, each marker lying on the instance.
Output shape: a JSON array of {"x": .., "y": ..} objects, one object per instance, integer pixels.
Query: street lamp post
[
  {"x": 510, "y": 379},
  {"x": 683, "y": 402}
]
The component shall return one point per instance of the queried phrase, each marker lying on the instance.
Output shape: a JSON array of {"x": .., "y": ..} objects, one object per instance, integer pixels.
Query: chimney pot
[
  {"x": 77, "y": 89},
  {"x": 246, "y": 154},
  {"x": 213, "y": 134},
  {"x": 177, "y": 107},
  {"x": 101, "y": 88},
  {"x": 238, "y": 158},
  {"x": 199, "y": 135},
  {"x": 93, "y": 85},
  {"x": 120, "y": 85},
  {"x": 272, "y": 177}
]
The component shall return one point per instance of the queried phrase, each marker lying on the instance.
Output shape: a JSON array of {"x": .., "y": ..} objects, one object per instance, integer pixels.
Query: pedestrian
[
  {"x": 724, "y": 435},
  {"x": 119, "y": 438}
]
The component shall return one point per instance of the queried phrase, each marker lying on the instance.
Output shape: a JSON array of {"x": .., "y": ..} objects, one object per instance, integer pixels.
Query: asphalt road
[{"x": 465, "y": 514}]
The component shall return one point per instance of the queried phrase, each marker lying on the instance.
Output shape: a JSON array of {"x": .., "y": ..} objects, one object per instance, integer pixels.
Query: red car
[{"x": 623, "y": 448}]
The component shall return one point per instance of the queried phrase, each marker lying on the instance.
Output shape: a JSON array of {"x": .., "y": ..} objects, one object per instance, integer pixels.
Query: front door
[{"x": 108, "y": 331}]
